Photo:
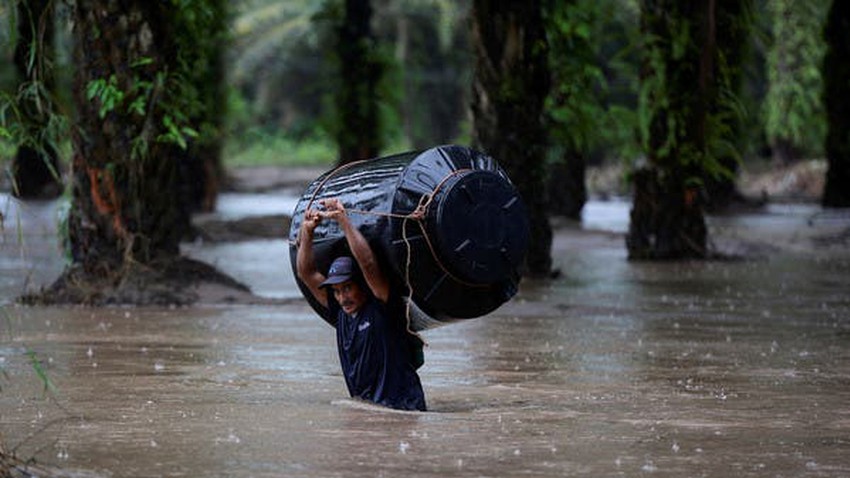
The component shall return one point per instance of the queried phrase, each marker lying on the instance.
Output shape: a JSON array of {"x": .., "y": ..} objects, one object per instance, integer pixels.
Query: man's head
[{"x": 343, "y": 281}]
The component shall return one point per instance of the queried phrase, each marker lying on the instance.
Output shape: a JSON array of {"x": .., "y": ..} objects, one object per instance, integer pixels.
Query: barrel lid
[{"x": 481, "y": 227}]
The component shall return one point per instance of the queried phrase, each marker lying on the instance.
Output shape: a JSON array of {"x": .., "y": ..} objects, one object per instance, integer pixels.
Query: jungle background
[{"x": 137, "y": 111}]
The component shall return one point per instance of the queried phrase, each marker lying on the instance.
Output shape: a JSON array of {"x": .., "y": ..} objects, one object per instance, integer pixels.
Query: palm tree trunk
[
  {"x": 359, "y": 135},
  {"x": 836, "y": 75},
  {"x": 126, "y": 202},
  {"x": 510, "y": 84},
  {"x": 667, "y": 219}
]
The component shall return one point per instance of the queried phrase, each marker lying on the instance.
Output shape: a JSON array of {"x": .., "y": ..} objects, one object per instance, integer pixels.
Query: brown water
[{"x": 615, "y": 369}]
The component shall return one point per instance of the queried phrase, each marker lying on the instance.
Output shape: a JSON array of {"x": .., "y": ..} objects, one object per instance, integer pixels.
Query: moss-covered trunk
[
  {"x": 667, "y": 219},
  {"x": 127, "y": 216},
  {"x": 126, "y": 205},
  {"x": 734, "y": 20},
  {"x": 510, "y": 84}
]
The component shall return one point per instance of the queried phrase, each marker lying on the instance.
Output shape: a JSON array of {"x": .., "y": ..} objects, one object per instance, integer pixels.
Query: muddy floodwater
[{"x": 616, "y": 368}]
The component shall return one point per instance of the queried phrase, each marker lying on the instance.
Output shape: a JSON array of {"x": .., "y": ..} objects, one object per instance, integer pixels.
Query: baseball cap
[{"x": 342, "y": 269}]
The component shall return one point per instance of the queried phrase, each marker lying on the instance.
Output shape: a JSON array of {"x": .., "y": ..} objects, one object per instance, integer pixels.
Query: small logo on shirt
[{"x": 363, "y": 326}]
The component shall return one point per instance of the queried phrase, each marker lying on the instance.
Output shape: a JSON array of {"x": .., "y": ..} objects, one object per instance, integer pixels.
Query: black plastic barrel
[{"x": 459, "y": 259}]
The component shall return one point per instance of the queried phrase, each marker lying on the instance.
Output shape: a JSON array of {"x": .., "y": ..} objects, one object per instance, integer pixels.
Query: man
[{"x": 376, "y": 351}]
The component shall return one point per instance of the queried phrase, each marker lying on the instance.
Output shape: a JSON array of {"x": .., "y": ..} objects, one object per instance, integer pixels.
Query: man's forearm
[
  {"x": 305, "y": 265},
  {"x": 360, "y": 248},
  {"x": 365, "y": 257}
]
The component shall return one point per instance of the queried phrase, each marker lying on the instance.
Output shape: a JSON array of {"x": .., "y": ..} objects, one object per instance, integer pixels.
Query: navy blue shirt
[{"x": 375, "y": 354}]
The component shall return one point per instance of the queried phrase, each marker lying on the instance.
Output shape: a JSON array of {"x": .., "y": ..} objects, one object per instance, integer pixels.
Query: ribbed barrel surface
[{"x": 459, "y": 258}]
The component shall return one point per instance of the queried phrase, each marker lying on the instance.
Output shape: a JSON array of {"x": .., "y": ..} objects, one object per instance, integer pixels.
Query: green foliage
[
  {"x": 174, "y": 133},
  {"x": 197, "y": 103},
  {"x": 107, "y": 93},
  {"x": 591, "y": 104},
  {"x": 688, "y": 130},
  {"x": 40, "y": 372},
  {"x": 30, "y": 107},
  {"x": 285, "y": 73},
  {"x": 173, "y": 91},
  {"x": 32, "y": 357},
  {"x": 257, "y": 148},
  {"x": 793, "y": 110},
  {"x": 576, "y": 103}
]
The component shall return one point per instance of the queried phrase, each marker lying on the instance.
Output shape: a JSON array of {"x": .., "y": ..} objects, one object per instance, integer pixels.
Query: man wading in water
[{"x": 377, "y": 353}]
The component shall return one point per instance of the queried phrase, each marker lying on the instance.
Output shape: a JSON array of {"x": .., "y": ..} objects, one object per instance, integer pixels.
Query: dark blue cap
[{"x": 342, "y": 269}]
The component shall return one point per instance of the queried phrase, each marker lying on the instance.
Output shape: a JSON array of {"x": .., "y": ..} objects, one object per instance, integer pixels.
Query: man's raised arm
[
  {"x": 360, "y": 249},
  {"x": 305, "y": 262}
]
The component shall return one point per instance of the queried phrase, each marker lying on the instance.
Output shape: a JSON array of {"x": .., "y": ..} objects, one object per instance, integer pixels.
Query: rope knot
[{"x": 421, "y": 208}]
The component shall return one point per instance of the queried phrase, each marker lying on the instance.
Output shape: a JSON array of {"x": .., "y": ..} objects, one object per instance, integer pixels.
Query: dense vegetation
[
  {"x": 142, "y": 100},
  {"x": 282, "y": 75}
]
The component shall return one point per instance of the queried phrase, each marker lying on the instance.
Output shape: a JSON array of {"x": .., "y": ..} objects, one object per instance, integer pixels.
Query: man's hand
[
  {"x": 334, "y": 210},
  {"x": 312, "y": 218},
  {"x": 304, "y": 260}
]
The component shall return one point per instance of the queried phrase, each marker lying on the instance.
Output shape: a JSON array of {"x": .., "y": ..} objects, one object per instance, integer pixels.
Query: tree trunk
[
  {"x": 202, "y": 172},
  {"x": 136, "y": 103},
  {"x": 836, "y": 76},
  {"x": 510, "y": 83},
  {"x": 784, "y": 152},
  {"x": 35, "y": 169},
  {"x": 566, "y": 187},
  {"x": 733, "y": 27},
  {"x": 127, "y": 217},
  {"x": 126, "y": 202},
  {"x": 667, "y": 219},
  {"x": 358, "y": 135}
]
